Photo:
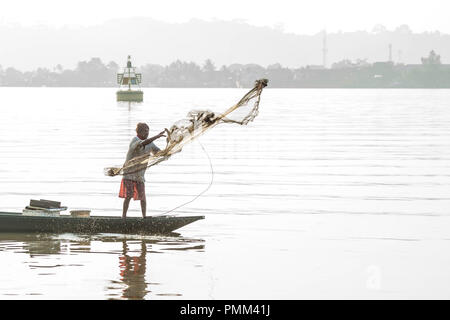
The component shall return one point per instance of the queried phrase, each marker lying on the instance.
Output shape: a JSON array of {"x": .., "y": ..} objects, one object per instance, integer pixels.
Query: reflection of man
[
  {"x": 132, "y": 272},
  {"x": 132, "y": 185}
]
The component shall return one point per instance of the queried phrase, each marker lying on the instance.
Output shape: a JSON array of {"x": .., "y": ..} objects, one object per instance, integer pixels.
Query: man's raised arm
[{"x": 150, "y": 140}]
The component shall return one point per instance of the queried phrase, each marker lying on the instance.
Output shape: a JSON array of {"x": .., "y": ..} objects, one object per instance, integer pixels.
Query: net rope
[
  {"x": 195, "y": 124},
  {"x": 201, "y": 193}
]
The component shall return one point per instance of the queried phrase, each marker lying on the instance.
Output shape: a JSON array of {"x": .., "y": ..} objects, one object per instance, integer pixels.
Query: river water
[{"x": 327, "y": 194}]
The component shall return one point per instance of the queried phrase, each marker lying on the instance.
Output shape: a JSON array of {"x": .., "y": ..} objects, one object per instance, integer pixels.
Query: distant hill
[{"x": 224, "y": 42}]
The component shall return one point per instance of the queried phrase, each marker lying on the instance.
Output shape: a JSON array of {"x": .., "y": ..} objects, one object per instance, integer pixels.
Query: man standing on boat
[{"x": 133, "y": 184}]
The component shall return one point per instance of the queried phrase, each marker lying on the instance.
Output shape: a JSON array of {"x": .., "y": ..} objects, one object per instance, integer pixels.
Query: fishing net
[{"x": 195, "y": 124}]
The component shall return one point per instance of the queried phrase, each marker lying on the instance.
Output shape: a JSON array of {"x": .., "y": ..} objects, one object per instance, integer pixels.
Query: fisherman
[{"x": 133, "y": 183}]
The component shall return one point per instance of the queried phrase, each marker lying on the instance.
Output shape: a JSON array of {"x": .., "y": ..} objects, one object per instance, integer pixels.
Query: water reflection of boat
[
  {"x": 16, "y": 222},
  {"x": 33, "y": 244},
  {"x": 52, "y": 252}
]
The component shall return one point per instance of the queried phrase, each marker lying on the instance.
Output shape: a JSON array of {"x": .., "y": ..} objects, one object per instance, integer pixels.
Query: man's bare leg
[
  {"x": 144, "y": 207},
  {"x": 126, "y": 204}
]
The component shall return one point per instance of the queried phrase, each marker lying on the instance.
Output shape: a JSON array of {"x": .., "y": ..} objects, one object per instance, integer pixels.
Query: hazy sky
[{"x": 297, "y": 16}]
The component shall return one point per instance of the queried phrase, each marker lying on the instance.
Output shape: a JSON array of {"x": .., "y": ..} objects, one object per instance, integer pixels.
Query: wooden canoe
[{"x": 16, "y": 222}]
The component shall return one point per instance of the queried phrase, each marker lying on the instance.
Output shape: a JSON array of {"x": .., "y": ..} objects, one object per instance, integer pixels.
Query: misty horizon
[
  {"x": 224, "y": 42},
  {"x": 290, "y": 15},
  {"x": 276, "y": 26},
  {"x": 431, "y": 73}
]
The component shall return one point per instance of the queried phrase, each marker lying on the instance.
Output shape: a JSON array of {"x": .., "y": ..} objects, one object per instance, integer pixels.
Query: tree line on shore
[{"x": 430, "y": 73}]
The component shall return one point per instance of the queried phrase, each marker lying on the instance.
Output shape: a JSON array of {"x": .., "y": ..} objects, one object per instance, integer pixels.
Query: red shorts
[{"x": 132, "y": 189}]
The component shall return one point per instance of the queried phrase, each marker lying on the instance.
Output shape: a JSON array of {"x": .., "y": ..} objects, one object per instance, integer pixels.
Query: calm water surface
[{"x": 328, "y": 194}]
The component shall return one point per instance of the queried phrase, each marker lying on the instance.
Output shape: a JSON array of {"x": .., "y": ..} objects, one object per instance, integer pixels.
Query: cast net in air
[{"x": 195, "y": 124}]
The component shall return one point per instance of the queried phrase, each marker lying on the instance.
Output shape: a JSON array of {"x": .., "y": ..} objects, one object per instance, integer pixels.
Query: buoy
[{"x": 129, "y": 79}]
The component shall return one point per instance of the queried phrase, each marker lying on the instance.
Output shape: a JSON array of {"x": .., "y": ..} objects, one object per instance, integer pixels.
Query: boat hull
[{"x": 16, "y": 222}]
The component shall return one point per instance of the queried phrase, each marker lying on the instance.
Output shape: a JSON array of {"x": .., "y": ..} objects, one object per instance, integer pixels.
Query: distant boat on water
[{"x": 129, "y": 84}]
